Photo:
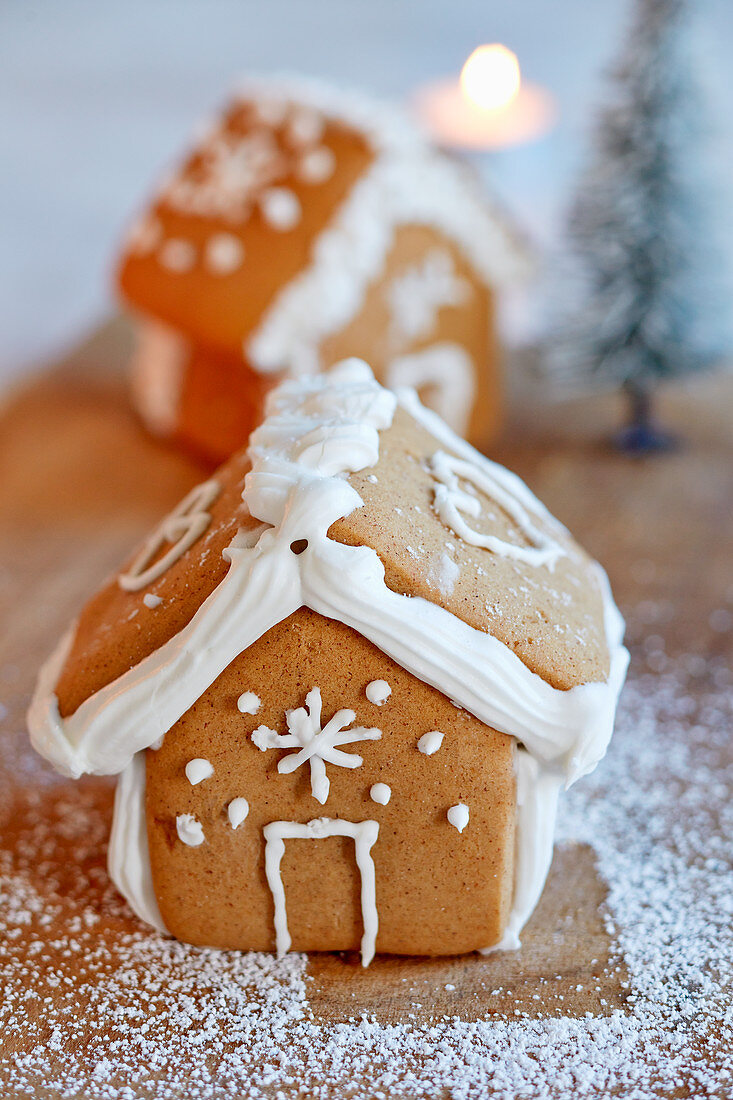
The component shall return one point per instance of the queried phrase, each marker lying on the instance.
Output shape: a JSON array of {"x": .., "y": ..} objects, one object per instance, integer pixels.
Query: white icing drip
[
  {"x": 378, "y": 692},
  {"x": 364, "y": 835},
  {"x": 182, "y": 527},
  {"x": 452, "y": 502},
  {"x": 177, "y": 255},
  {"x": 445, "y": 375},
  {"x": 156, "y": 375},
  {"x": 380, "y": 793},
  {"x": 237, "y": 811},
  {"x": 300, "y": 488},
  {"x": 224, "y": 253},
  {"x": 190, "y": 831},
  {"x": 151, "y": 600},
  {"x": 458, "y": 816},
  {"x": 198, "y": 769},
  {"x": 248, "y": 703},
  {"x": 429, "y": 743},
  {"x": 537, "y": 794},
  {"x": 317, "y": 165},
  {"x": 317, "y": 746},
  {"x": 128, "y": 855},
  {"x": 280, "y": 208}
]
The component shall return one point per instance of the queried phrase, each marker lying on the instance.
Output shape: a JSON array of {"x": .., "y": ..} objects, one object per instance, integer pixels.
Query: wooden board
[{"x": 80, "y": 482}]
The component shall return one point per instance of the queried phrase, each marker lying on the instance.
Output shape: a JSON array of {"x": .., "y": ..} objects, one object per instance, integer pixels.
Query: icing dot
[
  {"x": 317, "y": 165},
  {"x": 224, "y": 253},
  {"x": 237, "y": 811},
  {"x": 189, "y": 830},
  {"x": 271, "y": 112},
  {"x": 430, "y": 742},
  {"x": 248, "y": 703},
  {"x": 177, "y": 255},
  {"x": 280, "y": 208},
  {"x": 458, "y": 816},
  {"x": 378, "y": 692},
  {"x": 151, "y": 600},
  {"x": 197, "y": 770},
  {"x": 305, "y": 127},
  {"x": 144, "y": 235},
  {"x": 380, "y": 793}
]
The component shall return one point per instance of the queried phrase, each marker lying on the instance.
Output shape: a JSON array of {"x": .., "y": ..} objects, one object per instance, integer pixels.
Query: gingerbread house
[
  {"x": 342, "y": 685},
  {"x": 307, "y": 225}
]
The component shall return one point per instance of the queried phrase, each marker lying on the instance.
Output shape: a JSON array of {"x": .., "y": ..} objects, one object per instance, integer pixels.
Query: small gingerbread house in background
[
  {"x": 342, "y": 684},
  {"x": 307, "y": 225}
]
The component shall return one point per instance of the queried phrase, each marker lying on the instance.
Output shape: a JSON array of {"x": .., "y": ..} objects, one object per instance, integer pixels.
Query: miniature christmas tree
[{"x": 638, "y": 229}]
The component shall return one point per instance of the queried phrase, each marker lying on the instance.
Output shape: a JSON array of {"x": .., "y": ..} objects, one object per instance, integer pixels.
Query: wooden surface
[{"x": 80, "y": 482}]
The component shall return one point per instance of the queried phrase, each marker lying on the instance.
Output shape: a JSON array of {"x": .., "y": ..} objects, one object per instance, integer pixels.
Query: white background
[{"x": 96, "y": 97}]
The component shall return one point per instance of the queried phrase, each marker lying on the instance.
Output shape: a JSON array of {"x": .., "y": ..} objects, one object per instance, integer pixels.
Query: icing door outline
[
  {"x": 447, "y": 371},
  {"x": 364, "y": 835}
]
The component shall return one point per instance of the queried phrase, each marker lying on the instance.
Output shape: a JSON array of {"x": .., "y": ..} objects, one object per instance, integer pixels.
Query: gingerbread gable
[{"x": 318, "y": 181}]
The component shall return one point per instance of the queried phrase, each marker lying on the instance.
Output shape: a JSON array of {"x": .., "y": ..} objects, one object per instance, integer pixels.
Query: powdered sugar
[{"x": 95, "y": 1005}]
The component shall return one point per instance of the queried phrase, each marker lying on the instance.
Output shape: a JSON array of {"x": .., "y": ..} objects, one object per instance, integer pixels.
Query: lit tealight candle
[{"x": 489, "y": 107}]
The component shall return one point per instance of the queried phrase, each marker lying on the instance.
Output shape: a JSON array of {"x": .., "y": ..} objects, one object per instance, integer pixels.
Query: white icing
[
  {"x": 317, "y": 431},
  {"x": 177, "y": 255},
  {"x": 445, "y": 376},
  {"x": 224, "y": 253},
  {"x": 151, "y": 600},
  {"x": 280, "y": 208},
  {"x": 305, "y": 127},
  {"x": 190, "y": 830},
  {"x": 429, "y": 743},
  {"x": 364, "y": 835},
  {"x": 443, "y": 574},
  {"x": 182, "y": 527},
  {"x": 458, "y": 816},
  {"x": 537, "y": 793},
  {"x": 237, "y": 811},
  {"x": 452, "y": 503},
  {"x": 233, "y": 169},
  {"x": 144, "y": 236},
  {"x": 128, "y": 855},
  {"x": 157, "y": 375},
  {"x": 380, "y": 793},
  {"x": 198, "y": 769},
  {"x": 317, "y": 746},
  {"x": 378, "y": 692},
  {"x": 317, "y": 165},
  {"x": 248, "y": 703},
  {"x": 416, "y": 295}
]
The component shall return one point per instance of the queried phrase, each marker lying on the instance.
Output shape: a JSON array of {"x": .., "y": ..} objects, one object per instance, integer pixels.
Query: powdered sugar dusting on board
[{"x": 98, "y": 1006}]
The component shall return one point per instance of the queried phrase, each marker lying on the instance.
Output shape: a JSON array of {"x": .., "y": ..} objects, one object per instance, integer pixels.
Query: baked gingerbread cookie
[
  {"x": 342, "y": 684},
  {"x": 309, "y": 224}
]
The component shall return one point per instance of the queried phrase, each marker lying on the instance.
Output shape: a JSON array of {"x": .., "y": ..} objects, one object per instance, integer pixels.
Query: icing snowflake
[
  {"x": 417, "y": 295},
  {"x": 316, "y": 746}
]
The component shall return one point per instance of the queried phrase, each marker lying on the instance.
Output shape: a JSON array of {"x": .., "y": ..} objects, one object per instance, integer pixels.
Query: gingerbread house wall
[{"x": 438, "y": 890}]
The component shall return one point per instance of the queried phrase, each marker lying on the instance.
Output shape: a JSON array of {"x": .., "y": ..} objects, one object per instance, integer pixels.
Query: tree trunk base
[{"x": 644, "y": 439}]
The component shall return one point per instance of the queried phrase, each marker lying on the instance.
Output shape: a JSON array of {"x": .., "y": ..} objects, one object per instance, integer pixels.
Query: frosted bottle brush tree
[{"x": 653, "y": 308}]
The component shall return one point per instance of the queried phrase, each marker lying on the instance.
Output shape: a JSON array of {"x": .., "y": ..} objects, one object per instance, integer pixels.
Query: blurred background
[{"x": 96, "y": 100}]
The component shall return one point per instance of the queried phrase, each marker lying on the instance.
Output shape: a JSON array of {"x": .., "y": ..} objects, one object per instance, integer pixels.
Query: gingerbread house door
[{"x": 312, "y": 890}]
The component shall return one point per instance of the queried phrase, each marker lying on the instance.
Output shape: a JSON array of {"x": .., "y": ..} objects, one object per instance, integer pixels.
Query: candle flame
[{"x": 490, "y": 78}]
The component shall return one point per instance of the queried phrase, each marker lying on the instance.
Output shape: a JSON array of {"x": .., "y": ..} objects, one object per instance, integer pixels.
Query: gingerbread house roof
[
  {"x": 314, "y": 181},
  {"x": 302, "y": 534}
]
